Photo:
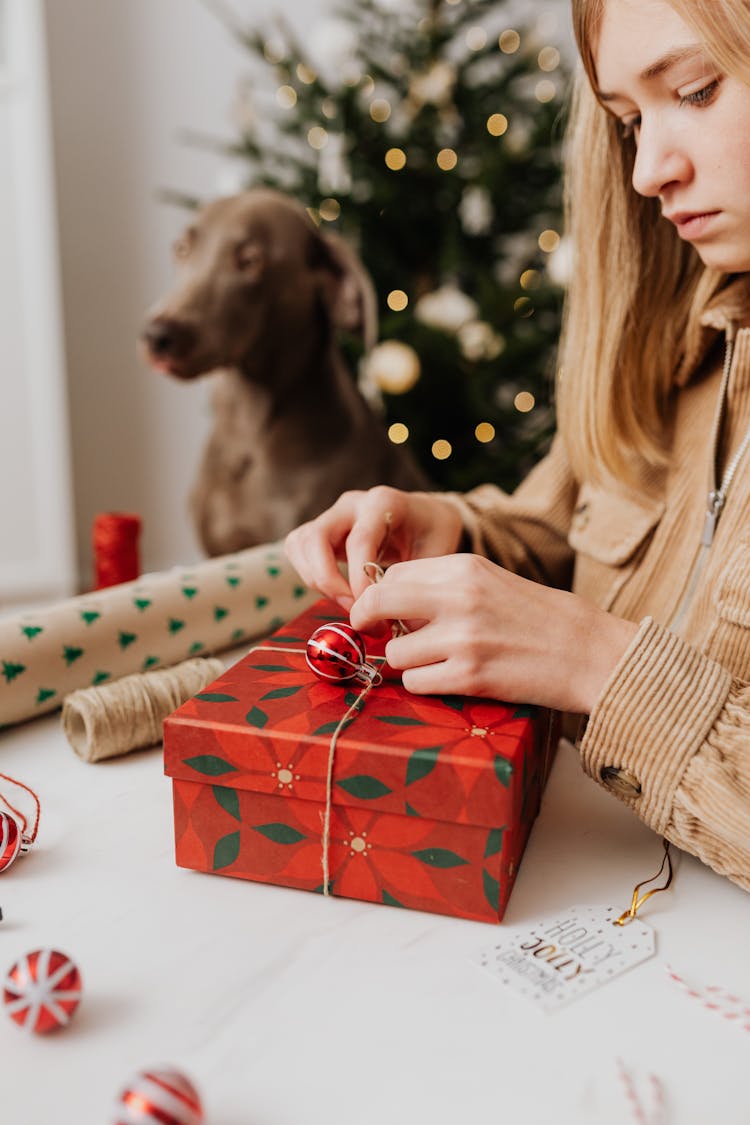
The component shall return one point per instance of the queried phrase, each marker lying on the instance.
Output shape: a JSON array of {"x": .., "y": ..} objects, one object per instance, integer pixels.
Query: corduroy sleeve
[
  {"x": 526, "y": 532},
  {"x": 670, "y": 736}
]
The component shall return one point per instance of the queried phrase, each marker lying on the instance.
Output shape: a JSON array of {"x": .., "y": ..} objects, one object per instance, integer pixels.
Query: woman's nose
[{"x": 660, "y": 160}]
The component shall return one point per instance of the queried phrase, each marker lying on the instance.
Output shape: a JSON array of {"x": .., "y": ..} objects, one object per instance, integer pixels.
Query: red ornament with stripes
[
  {"x": 159, "y": 1097},
  {"x": 336, "y": 652},
  {"x": 42, "y": 990},
  {"x": 10, "y": 840}
]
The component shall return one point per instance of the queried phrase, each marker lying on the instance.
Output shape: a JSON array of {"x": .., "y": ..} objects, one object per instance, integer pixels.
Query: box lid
[{"x": 266, "y": 725}]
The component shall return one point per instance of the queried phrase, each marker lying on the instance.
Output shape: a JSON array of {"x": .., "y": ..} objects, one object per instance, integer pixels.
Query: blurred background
[{"x": 107, "y": 107}]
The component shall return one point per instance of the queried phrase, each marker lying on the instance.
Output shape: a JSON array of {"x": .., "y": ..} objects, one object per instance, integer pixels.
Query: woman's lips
[{"x": 691, "y": 224}]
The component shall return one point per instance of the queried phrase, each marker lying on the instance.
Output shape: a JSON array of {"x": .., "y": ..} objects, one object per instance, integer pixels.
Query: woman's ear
[{"x": 346, "y": 287}]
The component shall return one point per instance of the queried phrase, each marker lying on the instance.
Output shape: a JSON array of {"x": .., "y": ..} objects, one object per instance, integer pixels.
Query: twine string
[
  {"x": 28, "y": 837},
  {"x": 103, "y": 722},
  {"x": 375, "y": 573},
  {"x": 357, "y": 705}
]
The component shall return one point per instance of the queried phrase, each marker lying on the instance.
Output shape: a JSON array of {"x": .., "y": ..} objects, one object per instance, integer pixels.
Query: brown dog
[{"x": 261, "y": 294}]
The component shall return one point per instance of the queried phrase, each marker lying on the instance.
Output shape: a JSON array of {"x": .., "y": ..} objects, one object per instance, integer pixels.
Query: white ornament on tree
[
  {"x": 479, "y": 340},
  {"x": 475, "y": 210},
  {"x": 333, "y": 51},
  {"x": 333, "y": 166},
  {"x": 393, "y": 366},
  {"x": 446, "y": 308}
]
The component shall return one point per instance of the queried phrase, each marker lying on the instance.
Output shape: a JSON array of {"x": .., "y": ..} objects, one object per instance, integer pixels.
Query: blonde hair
[{"x": 637, "y": 288}]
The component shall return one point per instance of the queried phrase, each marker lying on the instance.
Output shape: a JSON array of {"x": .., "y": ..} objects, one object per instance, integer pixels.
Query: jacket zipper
[{"x": 717, "y": 494}]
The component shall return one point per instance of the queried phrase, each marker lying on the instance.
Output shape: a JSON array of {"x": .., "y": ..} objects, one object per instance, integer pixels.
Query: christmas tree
[{"x": 428, "y": 133}]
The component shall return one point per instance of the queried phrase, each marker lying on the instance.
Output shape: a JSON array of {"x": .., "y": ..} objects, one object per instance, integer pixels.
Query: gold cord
[{"x": 628, "y": 915}]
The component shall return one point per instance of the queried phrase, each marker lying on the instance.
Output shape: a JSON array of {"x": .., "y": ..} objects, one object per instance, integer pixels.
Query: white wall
[{"x": 126, "y": 77}]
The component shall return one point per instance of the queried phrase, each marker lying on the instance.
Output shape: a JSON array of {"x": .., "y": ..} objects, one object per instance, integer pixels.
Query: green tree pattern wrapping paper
[{"x": 156, "y": 621}]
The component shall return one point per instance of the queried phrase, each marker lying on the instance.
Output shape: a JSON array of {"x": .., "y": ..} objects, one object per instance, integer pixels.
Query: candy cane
[
  {"x": 657, "y": 1116},
  {"x": 716, "y": 999}
]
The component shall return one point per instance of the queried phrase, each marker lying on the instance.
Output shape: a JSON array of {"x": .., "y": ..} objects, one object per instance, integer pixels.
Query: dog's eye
[{"x": 248, "y": 256}]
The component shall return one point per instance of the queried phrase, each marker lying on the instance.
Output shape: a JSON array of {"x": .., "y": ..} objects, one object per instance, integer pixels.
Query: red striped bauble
[
  {"x": 42, "y": 990},
  {"x": 336, "y": 652},
  {"x": 10, "y": 840},
  {"x": 159, "y": 1097}
]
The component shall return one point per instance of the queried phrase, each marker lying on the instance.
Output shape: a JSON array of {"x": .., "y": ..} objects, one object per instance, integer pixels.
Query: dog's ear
[{"x": 346, "y": 287}]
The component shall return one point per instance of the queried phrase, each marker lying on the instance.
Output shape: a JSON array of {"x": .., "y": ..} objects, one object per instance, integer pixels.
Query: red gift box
[{"x": 431, "y": 799}]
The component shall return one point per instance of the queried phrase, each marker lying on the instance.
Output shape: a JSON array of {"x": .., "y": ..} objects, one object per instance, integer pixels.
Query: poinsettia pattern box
[{"x": 431, "y": 798}]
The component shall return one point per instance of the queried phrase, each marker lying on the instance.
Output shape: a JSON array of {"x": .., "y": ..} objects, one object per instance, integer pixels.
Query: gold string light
[
  {"x": 317, "y": 137},
  {"x": 545, "y": 91},
  {"x": 397, "y": 300},
  {"x": 524, "y": 402},
  {"x": 509, "y": 41},
  {"x": 446, "y": 159},
  {"x": 548, "y": 241},
  {"x": 497, "y": 124},
  {"x": 476, "y": 38},
  {"x": 484, "y": 432},
  {"x": 307, "y": 75},
  {"x": 441, "y": 449},
  {"x": 395, "y": 159},
  {"x": 548, "y": 58},
  {"x": 272, "y": 52},
  {"x": 523, "y": 307},
  {"x": 398, "y": 433},
  {"x": 330, "y": 209},
  {"x": 286, "y": 96},
  {"x": 380, "y": 110},
  {"x": 529, "y": 279},
  {"x": 367, "y": 83},
  {"x": 328, "y": 108}
]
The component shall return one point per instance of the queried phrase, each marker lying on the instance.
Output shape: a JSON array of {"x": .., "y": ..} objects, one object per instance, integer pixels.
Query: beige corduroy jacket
[{"x": 670, "y": 734}]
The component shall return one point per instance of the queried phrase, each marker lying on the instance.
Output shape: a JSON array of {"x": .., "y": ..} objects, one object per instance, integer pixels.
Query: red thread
[
  {"x": 115, "y": 538},
  {"x": 30, "y": 836}
]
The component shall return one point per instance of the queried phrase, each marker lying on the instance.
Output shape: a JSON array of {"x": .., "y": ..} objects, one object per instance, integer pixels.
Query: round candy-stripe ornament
[
  {"x": 42, "y": 990},
  {"x": 10, "y": 840},
  {"x": 159, "y": 1097},
  {"x": 336, "y": 652},
  {"x": 15, "y": 836}
]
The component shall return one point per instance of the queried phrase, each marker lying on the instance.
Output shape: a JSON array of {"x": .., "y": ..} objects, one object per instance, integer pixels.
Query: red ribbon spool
[{"x": 115, "y": 539}]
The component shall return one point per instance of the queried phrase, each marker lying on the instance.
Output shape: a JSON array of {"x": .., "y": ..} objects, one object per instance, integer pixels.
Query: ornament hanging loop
[
  {"x": 637, "y": 902},
  {"x": 376, "y": 573},
  {"x": 368, "y": 674}
]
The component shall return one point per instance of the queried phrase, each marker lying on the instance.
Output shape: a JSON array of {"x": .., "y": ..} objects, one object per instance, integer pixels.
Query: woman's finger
[
  {"x": 378, "y": 523},
  {"x": 394, "y": 601},
  {"x": 313, "y": 548}
]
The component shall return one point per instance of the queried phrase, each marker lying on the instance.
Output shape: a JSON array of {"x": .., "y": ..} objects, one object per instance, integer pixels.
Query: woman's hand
[
  {"x": 356, "y": 529},
  {"x": 480, "y": 630}
]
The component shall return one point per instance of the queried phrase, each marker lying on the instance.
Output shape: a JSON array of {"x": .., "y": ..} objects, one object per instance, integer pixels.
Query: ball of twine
[{"x": 104, "y": 722}]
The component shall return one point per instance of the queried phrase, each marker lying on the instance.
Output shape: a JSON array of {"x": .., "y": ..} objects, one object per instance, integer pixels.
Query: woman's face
[{"x": 691, "y": 125}]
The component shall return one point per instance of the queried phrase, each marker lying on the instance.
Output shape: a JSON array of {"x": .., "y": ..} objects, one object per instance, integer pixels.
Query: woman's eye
[{"x": 702, "y": 96}]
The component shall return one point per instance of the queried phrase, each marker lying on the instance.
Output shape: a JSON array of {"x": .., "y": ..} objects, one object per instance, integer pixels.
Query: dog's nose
[{"x": 166, "y": 337}]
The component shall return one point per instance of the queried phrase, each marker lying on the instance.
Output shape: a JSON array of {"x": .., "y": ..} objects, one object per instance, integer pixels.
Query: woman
[{"x": 615, "y": 582}]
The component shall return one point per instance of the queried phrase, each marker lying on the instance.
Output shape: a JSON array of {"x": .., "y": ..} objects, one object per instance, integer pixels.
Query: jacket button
[{"x": 620, "y": 781}]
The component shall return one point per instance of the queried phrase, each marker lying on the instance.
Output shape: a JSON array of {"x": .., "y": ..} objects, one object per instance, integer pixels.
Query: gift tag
[{"x": 562, "y": 957}]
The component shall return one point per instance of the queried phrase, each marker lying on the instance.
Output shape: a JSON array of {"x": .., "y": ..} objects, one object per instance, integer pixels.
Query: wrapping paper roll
[{"x": 158, "y": 620}]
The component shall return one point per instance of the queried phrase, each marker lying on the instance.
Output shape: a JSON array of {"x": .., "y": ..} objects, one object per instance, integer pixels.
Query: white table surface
[{"x": 289, "y": 1009}]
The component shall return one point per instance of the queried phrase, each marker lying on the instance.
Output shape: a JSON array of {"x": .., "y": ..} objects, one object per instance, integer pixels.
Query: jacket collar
[{"x": 728, "y": 307}]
